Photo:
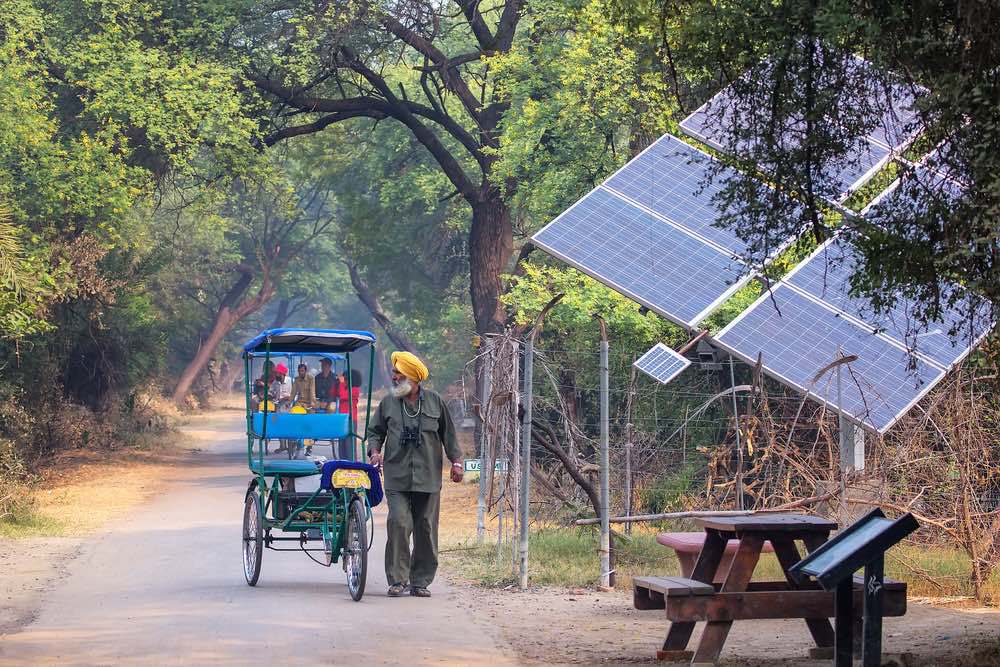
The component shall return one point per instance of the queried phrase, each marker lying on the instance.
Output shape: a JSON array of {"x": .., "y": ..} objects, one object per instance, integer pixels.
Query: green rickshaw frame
[{"x": 328, "y": 512}]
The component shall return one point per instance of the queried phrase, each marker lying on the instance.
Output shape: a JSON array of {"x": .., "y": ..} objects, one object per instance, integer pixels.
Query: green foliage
[
  {"x": 667, "y": 494},
  {"x": 584, "y": 98}
]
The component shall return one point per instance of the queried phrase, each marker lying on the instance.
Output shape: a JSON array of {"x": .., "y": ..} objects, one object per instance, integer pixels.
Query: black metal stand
[
  {"x": 843, "y": 651},
  {"x": 874, "y": 575}
]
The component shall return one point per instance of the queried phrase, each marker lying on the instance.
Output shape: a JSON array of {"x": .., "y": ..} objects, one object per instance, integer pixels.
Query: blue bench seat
[
  {"x": 284, "y": 467},
  {"x": 318, "y": 426}
]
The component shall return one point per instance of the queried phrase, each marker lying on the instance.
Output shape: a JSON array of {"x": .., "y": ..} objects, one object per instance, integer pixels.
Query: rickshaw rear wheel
[
  {"x": 356, "y": 548},
  {"x": 253, "y": 538}
]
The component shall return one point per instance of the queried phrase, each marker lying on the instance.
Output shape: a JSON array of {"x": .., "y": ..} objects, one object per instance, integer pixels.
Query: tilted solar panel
[
  {"x": 838, "y": 177},
  {"x": 884, "y": 105},
  {"x": 802, "y": 336},
  {"x": 671, "y": 178},
  {"x": 826, "y": 275},
  {"x": 661, "y": 363},
  {"x": 642, "y": 256}
]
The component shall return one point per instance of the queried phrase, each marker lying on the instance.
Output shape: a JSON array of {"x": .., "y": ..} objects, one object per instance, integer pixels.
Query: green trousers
[{"x": 411, "y": 513}]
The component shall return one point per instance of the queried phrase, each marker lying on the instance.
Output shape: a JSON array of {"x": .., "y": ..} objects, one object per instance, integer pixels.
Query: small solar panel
[
  {"x": 661, "y": 363},
  {"x": 642, "y": 256},
  {"x": 801, "y": 336}
]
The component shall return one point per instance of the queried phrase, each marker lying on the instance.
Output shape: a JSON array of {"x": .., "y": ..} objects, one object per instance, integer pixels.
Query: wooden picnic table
[{"x": 696, "y": 599}]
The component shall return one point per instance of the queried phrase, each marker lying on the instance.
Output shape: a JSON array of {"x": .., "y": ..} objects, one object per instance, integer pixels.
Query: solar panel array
[
  {"x": 652, "y": 232},
  {"x": 649, "y": 233},
  {"x": 810, "y": 318},
  {"x": 661, "y": 363},
  {"x": 712, "y": 123}
]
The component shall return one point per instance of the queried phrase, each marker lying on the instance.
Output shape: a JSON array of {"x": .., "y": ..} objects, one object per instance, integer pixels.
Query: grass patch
[{"x": 32, "y": 525}]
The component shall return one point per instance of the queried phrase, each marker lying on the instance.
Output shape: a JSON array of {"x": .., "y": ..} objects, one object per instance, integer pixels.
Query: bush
[
  {"x": 669, "y": 491},
  {"x": 15, "y": 494}
]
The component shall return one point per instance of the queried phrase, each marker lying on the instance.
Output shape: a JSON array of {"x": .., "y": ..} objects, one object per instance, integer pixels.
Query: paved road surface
[{"x": 165, "y": 586}]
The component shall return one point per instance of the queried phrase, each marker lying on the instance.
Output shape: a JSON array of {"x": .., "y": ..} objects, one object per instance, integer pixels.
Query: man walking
[{"x": 411, "y": 427}]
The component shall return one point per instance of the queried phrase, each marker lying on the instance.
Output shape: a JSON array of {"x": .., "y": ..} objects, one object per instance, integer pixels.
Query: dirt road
[{"x": 165, "y": 586}]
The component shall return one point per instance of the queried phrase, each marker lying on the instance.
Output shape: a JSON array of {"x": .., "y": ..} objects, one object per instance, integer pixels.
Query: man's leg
[
  {"x": 425, "y": 538},
  {"x": 398, "y": 528}
]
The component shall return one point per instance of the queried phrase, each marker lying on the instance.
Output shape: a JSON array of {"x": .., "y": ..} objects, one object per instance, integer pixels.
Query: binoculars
[{"x": 410, "y": 437}]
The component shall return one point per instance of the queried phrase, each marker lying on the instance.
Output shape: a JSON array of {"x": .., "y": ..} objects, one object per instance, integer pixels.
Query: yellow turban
[{"x": 409, "y": 365}]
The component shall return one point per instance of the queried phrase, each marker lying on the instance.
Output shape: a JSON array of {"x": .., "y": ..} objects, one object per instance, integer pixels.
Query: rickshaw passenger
[
  {"x": 325, "y": 385},
  {"x": 280, "y": 390},
  {"x": 345, "y": 447},
  {"x": 304, "y": 388}
]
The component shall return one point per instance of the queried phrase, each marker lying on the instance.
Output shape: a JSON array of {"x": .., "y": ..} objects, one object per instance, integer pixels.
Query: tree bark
[
  {"x": 225, "y": 319},
  {"x": 399, "y": 338},
  {"x": 491, "y": 244}
]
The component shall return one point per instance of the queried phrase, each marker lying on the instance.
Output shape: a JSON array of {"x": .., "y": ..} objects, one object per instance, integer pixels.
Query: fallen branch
[{"x": 701, "y": 514}]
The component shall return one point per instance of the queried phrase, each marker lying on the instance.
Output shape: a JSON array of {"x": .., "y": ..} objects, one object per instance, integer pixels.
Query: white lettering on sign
[{"x": 473, "y": 465}]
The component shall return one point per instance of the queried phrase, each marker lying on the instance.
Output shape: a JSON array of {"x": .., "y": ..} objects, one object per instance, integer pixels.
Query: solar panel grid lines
[
  {"x": 895, "y": 130},
  {"x": 844, "y": 177},
  {"x": 806, "y": 337},
  {"x": 641, "y": 256},
  {"x": 672, "y": 179},
  {"x": 661, "y": 363}
]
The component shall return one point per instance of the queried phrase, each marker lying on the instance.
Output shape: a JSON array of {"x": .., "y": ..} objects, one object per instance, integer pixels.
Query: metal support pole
[
  {"x": 606, "y": 578},
  {"x": 739, "y": 442},
  {"x": 526, "y": 394},
  {"x": 484, "y": 399}
]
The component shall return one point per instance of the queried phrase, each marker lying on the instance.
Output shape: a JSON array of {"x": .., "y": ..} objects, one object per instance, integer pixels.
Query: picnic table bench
[{"x": 718, "y": 596}]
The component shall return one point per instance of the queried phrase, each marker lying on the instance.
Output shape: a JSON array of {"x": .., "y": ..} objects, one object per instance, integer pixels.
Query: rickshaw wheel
[
  {"x": 253, "y": 538},
  {"x": 356, "y": 547}
]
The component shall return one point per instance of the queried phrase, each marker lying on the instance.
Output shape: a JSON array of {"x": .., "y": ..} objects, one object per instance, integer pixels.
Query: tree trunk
[
  {"x": 225, "y": 320},
  {"x": 491, "y": 244},
  {"x": 399, "y": 338},
  {"x": 281, "y": 314}
]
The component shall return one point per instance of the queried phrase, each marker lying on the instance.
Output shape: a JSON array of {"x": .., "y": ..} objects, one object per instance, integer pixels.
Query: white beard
[{"x": 402, "y": 389}]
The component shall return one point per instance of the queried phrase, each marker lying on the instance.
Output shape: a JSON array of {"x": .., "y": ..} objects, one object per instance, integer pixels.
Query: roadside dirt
[
  {"x": 585, "y": 627},
  {"x": 78, "y": 494}
]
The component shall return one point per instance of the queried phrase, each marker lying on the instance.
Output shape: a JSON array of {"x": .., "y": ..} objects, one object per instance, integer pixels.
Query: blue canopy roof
[
  {"x": 306, "y": 341},
  {"x": 332, "y": 356}
]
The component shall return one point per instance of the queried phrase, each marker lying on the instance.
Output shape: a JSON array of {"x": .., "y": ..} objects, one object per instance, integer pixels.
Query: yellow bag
[{"x": 350, "y": 479}]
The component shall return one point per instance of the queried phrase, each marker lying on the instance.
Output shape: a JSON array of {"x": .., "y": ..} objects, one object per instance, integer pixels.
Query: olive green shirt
[{"x": 407, "y": 468}]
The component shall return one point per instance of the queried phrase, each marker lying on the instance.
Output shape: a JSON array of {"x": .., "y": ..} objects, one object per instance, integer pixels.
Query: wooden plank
[
  {"x": 672, "y": 586},
  {"x": 644, "y": 599},
  {"x": 767, "y": 522},
  {"x": 740, "y": 572},
  {"x": 704, "y": 570},
  {"x": 769, "y": 605}
]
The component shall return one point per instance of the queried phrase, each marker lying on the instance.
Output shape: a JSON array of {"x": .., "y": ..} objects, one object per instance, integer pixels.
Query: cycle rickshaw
[{"x": 312, "y": 501}]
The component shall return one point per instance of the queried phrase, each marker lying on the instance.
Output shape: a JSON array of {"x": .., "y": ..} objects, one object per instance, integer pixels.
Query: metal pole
[
  {"x": 739, "y": 443},
  {"x": 606, "y": 579},
  {"x": 526, "y": 397},
  {"x": 483, "y": 403}
]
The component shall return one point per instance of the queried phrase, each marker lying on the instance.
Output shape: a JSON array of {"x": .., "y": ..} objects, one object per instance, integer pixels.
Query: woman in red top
[{"x": 355, "y": 394}]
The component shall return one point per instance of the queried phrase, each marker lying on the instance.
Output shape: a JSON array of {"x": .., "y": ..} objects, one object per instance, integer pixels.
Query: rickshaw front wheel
[
  {"x": 356, "y": 550},
  {"x": 253, "y": 538}
]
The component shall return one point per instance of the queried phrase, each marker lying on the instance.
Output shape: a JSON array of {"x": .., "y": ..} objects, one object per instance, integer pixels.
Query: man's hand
[
  {"x": 375, "y": 457},
  {"x": 457, "y": 473}
]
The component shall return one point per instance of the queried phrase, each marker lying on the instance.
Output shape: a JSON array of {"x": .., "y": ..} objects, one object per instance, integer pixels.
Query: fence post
[
  {"x": 607, "y": 579},
  {"x": 739, "y": 442},
  {"x": 529, "y": 353},
  {"x": 484, "y": 400}
]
